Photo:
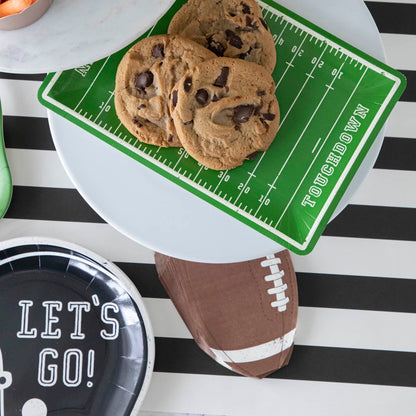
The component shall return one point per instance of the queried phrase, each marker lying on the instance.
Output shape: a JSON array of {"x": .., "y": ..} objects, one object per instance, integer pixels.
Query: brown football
[{"x": 243, "y": 315}]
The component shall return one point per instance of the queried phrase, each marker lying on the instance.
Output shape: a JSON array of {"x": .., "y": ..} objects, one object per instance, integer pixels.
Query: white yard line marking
[
  {"x": 92, "y": 83},
  {"x": 104, "y": 106},
  {"x": 300, "y": 137},
  {"x": 323, "y": 144},
  {"x": 200, "y": 170},
  {"x": 285, "y": 117},
  {"x": 291, "y": 61},
  {"x": 222, "y": 178}
]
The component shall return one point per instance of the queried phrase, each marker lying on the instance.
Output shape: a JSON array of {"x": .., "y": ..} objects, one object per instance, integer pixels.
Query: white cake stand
[{"x": 164, "y": 217}]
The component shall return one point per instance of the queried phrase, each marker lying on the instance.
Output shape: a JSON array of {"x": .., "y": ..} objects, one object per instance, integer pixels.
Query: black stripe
[
  {"x": 307, "y": 363},
  {"x": 361, "y": 221},
  {"x": 315, "y": 289},
  {"x": 394, "y": 17},
  {"x": 410, "y": 91},
  {"x": 397, "y": 154},
  {"x": 51, "y": 204},
  {"x": 356, "y": 292},
  {"x": 23, "y": 77},
  {"x": 27, "y": 133},
  {"x": 145, "y": 278}
]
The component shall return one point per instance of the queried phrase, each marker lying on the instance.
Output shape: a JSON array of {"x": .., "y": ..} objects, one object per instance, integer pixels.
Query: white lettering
[
  {"x": 25, "y": 332},
  {"x": 50, "y": 319},
  {"x": 78, "y": 307},
  {"x": 110, "y": 321}
]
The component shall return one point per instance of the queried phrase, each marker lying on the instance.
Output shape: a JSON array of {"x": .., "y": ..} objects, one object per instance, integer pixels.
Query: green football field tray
[{"x": 334, "y": 100}]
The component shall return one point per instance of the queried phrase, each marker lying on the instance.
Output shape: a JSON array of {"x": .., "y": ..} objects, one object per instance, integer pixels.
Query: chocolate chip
[
  {"x": 264, "y": 23},
  {"x": 175, "y": 98},
  {"x": 242, "y": 113},
  {"x": 246, "y": 9},
  {"x": 143, "y": 80},
  {"x": 215, "y": 46},
  {"x": 252, "y": 156},
  {"x": 187, "y": 84},
  {"x": 233, "y": 39},
  {"x": 187, "y": 123},
  {"x": 141, "y": 106},
  {"x": 215, "y": 98},
  {"x": 137, "y": 123},
  {"x": 269, "y": 116},
  {"x": 250, "y": 25},
  {"x": 202, "y": 97},
  {"x": 158, "y": 51},
  {"x": 170, "y": 138},
  {"x": 222, "y": 79},
  {"x": 244, "y": 55},
  {"x": 260, "y": 93},
  {"x": 257, "y": 109}
]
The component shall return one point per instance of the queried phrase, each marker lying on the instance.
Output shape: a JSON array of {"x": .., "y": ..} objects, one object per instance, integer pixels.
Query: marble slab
[{"x": 77, "y": 32}]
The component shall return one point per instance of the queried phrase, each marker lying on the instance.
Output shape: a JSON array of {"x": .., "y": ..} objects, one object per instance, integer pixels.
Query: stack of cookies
[{"x": 205, "y": 86}]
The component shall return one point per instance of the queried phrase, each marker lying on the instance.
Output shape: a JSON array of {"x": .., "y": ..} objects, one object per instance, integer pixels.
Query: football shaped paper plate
[{"x": 243, "y": 315}]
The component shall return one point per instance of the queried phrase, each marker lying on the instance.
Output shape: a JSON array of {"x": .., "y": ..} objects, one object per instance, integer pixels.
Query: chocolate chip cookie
[
  {"x": 144, "y": 80},
  {"x": 229, "y": 28},
  {"x": 225, "y": 111}
]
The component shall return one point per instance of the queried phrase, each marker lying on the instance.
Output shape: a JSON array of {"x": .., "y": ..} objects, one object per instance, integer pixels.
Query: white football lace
[{"x": 276, "y": 277}]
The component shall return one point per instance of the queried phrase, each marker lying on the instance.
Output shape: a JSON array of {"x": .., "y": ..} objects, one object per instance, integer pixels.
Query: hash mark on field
[
  {"x": 271, "y": 186},
  {"x": 329, "y": 87}
]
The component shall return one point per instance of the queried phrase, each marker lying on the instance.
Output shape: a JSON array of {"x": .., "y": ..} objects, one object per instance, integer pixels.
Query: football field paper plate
[{"x": 334, "y": 100}]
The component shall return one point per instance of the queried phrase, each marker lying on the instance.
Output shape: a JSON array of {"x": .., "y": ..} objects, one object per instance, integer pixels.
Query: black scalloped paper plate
[{"x": 75, "y": 338}]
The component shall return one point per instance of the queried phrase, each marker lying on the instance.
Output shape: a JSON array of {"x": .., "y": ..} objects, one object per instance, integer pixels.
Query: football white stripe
[
  {"x": 242, "y": 396},
  {"x": 323, "y": 327},
  {"x": 257, "y": 352}
]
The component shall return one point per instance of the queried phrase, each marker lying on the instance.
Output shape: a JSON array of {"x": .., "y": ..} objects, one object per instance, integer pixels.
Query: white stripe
[
  {"x": 360, "y": 257},
  {"x": 242, "y": 396},
  {"x": 19, "y": 98},
  {"x": 325, "y": 327},
  {"x": 389, "y": 188},
  {"x": 257, "y": 352},
  {"x": 380, "y": 188},
  {"x": 402, "y": 121},
  {"x": 399, "y": 50},
  {"x": 332, "y": 255},
  {"x": 37, "y": 168},
  {"x": 95, "y": 237}
]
